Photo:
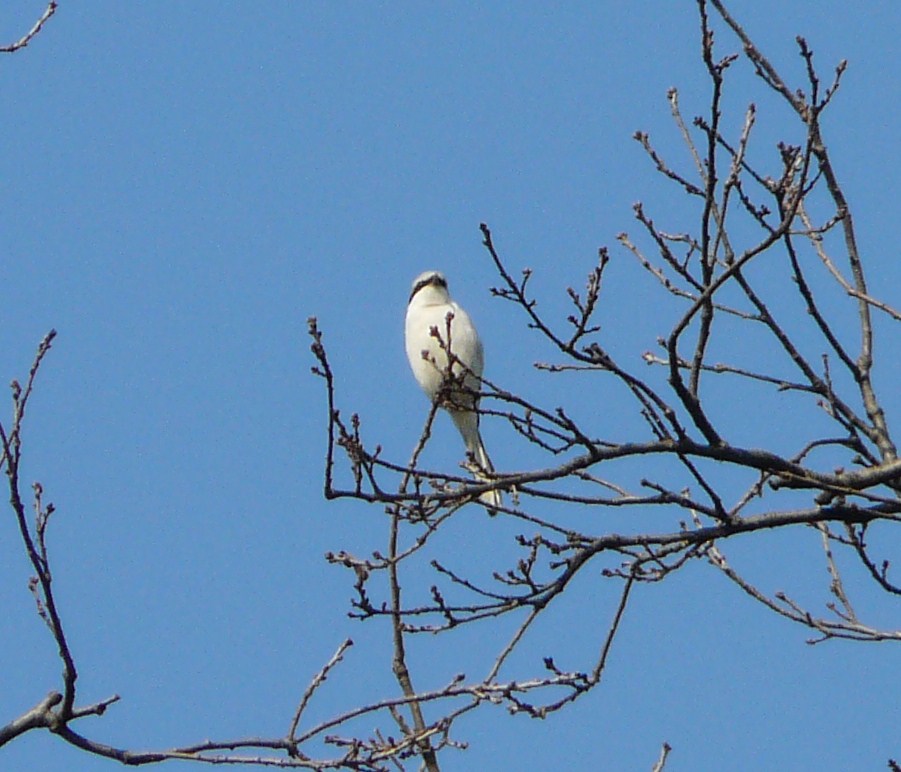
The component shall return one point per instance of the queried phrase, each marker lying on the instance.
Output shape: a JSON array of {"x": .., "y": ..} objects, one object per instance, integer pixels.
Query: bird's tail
[
  {"x": 467, "y": 422},
  {"x": 491, "y": 499}
]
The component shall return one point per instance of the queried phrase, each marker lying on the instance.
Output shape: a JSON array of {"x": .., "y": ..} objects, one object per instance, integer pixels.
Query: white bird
[{"x": 431, "y": 308}]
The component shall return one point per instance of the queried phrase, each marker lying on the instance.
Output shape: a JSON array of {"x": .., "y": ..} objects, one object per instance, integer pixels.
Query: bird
[{"x": 431, "y": 314}]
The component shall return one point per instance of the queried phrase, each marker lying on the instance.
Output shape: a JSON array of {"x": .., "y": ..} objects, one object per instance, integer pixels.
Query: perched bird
[{"x": 431, "y": 308}]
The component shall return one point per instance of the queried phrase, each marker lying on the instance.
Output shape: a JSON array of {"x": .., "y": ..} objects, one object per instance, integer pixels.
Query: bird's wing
[{"x": 466, "y": 343}]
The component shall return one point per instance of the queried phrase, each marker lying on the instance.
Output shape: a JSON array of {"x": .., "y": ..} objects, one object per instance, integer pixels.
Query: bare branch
[{"x": 29, "y": 36}]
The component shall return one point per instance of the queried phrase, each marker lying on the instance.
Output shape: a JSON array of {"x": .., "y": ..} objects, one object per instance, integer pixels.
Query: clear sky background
[{"x": 185, "y": 183}]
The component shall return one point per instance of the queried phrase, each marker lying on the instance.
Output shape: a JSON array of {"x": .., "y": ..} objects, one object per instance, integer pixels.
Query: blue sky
[{"x": 185, "y": 183}]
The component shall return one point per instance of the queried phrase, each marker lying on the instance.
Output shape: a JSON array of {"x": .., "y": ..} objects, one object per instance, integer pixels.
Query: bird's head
[{"x": 431, "y": 283}]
